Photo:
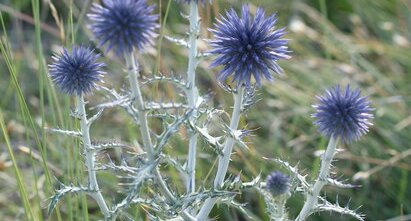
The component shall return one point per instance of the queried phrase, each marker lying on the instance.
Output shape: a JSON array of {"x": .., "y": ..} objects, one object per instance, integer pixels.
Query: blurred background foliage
[{"x": 365, "y": 43}]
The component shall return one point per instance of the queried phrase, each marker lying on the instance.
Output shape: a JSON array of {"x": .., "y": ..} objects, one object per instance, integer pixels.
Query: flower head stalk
[
  {"x": 278, "y": 186},
  {"x": 78, "y": 73},
  {"x": 248, "y": 47},
  {"x": 342, "y": 115}
]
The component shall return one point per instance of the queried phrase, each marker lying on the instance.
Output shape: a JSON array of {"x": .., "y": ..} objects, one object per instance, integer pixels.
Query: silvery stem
[
  {"x": 192, "y": 94},
  {"x": 90, "y": 157},
  {"x": 133, "y": 73},
  {"x": 224, "y": 160},
  {"x": 312, "y": 198}
]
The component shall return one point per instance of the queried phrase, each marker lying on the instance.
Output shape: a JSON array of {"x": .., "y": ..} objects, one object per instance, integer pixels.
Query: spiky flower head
[
  {"x": 247, "y": 46},
  {"x": 343, "y": 114},
  {"x": 77, "y": 72},
  {"x": 277, "y": 183},
  {"x": 123, "y": 24}
]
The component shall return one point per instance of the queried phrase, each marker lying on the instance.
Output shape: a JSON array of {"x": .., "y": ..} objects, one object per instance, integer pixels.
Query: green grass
[{"x": 364, "y": 43}]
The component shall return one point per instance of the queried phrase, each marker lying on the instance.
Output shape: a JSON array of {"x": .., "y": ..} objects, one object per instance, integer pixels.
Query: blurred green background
[{"x": 365, "y": 43}]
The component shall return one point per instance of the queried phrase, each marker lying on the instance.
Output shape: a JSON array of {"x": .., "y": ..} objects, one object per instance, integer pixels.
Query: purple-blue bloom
[
  {"x": 123, "y": 24},
  {"x": 343, "y": 114},
  {"x": 277, "y": 183},
  {"x": 248, "y": 46},
  {"x": 77, "y": 72}
]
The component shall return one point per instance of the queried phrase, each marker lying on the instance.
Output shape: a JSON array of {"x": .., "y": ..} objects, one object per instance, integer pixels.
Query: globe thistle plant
[
  {"x": 343, "y": 114},
  {"x": 123, "y": 24},
  {"x": 77, "y": 72},
  {"x": 248, "y": 47},
  {"x": 277, "y": 183}
]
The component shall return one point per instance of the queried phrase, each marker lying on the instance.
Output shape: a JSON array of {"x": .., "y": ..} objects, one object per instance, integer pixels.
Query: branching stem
[{"x": 133, "y": 73}]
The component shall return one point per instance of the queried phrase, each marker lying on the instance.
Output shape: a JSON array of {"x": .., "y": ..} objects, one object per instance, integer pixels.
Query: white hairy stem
[
  {"x": 224, "y": 160},
  {"x": 192, "y": 94},
  {"x": 90, "y": 158},
  {"x": 312, "y": 197}
]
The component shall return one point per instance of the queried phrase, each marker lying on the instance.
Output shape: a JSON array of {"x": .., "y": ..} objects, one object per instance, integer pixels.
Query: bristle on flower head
[
  {"x": 123, "y": 24},
  {"x": 277, "y": 183},
  {"x": 247, "y": 46},
  {"x": 77, "y": 72},
  {"x": 343, "y": 114}
]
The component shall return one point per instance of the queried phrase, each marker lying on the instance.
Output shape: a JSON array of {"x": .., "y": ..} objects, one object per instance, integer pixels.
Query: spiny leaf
[
  {"x": 109, "y": 145},
  {"x": 162, "y": 106},
  {"x": 175, "y": 80},
  {"x": 95, "y": 116},
  {"x": 180, "y": 42},
  {"x": 340, "y": 184},
  {"x": 65, "y": 132},
  {"x": 336, "y": 208},
  {"x": 62, "y": 192}
]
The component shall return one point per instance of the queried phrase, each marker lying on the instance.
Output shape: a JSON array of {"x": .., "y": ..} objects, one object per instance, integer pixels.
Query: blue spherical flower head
[
  {"x": 343, "y": 114},
  {"x": 247, "y": 46},
  {"x": 123, "y": 24},
  {"x": 277, "y": 183},
  {"x": 77, "y": 72}
]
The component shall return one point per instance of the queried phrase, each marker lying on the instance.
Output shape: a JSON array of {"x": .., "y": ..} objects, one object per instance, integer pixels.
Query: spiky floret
[
  {"x": 277, "y": 183},
  {"x": 343, "y": 114},
  {"x": 77, "y": 72},
  {"x": 247, "y": 46},
  {"x": 123, "y": 24}
]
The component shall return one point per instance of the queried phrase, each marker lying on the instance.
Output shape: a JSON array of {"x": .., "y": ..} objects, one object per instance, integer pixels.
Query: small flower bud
[{"x": 277, "y": 183}]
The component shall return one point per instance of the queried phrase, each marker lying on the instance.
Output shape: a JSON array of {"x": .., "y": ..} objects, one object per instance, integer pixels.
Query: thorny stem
[
  {"x": 224, "y": 160},
  {"x": 312, "y": 197},
  {"x": 132, "y": 68},
  {"x": 90, "y": 158},
  {"x": 192, "y": 94}
]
